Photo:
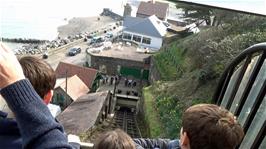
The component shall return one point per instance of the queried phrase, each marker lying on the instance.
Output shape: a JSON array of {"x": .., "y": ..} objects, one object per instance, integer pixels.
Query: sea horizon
[{"x": 32, "y": 20}]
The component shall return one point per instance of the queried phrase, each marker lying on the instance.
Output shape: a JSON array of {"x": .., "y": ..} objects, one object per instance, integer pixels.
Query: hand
[{"x": 10, "y": 69}]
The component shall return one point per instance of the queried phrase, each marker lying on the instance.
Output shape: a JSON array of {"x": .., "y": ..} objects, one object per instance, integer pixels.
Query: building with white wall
[{"x": 146, "y": 32}]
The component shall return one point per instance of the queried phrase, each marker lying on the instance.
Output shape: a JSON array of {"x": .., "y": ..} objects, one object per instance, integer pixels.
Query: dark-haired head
[
  {"x": 40, "y": 74},
  {"x": 208, "y": 126},
  {"x": 116, "y": 139}
]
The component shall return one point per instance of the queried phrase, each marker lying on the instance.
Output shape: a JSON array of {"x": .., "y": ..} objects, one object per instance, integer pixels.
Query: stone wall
[
  {"x": 154, "y": 73},
  {"x": 109, "y": 12},
  {"x": 110, "y": 65}
]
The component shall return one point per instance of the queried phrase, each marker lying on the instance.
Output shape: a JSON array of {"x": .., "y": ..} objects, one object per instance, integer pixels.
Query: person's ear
[
  {"x": 48, "y": 97},
  {"x": 184, "y": 141}
]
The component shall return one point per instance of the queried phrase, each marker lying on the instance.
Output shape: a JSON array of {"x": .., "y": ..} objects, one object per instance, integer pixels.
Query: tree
[
  {"x": 195, "y": 12},
  {"x": 211, "y": 16}
]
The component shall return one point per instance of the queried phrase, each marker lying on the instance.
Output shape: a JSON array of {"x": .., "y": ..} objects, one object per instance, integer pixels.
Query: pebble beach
[{"x": 85, "y": 25}]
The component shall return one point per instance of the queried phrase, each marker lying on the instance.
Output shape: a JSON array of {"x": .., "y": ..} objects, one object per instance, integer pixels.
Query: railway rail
[{"x": 126, "y": 120}]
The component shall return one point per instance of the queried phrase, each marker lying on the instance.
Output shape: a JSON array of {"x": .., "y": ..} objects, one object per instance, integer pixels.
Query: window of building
[
  {"x": 127, "y": 36},
  {"x": 102, "y": 69},
  {"x": 146, "y": 40},
  {"x": 118, "y": 68},
  {"x": 136, "y": 38}
]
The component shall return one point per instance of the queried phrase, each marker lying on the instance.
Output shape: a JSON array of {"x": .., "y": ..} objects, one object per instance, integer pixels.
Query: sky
[
  {"x": 43, "y": 8},
  {"x": 254, "y": 6},
  {"x": 38, "y": 8},
  {"x": 18, "y": 17}
]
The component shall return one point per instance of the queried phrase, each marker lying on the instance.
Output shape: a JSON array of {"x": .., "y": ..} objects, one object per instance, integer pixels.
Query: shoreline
[
  {"x": 77, "y": 28},
  {"x": 23, "y": 40}
]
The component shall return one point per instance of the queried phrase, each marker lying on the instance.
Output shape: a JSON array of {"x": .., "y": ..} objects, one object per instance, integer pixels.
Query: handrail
[
  {"x": 251, "y": 50},
  {"x": 237, "y": 69}
]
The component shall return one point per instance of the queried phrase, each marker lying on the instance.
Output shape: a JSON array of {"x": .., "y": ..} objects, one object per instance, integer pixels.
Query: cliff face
[{"x": 190, "y": 68}]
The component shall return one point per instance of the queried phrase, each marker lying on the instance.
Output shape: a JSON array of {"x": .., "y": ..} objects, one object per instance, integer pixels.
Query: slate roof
[
  {"x": 150, "y": 26},
  {"x": 149, "y": 8},
  {"x": 82, "y": 114},
  {"x": 75, "y": 86},
  {"x": 87, "y": 75},
  {"x": 130, "y": 21}
]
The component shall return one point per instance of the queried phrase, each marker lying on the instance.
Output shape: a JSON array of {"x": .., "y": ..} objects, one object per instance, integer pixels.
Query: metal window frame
[{"x": 245, "y": 57}]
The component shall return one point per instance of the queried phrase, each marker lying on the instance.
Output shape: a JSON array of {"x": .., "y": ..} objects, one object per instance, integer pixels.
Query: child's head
[
  {"x": 116, "y": 139},
  {"x": 40, "y": 74},
  {"x": 209, "y": 126}
]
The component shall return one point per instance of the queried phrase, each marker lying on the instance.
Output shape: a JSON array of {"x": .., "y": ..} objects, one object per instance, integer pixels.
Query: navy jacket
[
  {"x": 37, "y": 127},
  {"x": 10, "y": 137}
]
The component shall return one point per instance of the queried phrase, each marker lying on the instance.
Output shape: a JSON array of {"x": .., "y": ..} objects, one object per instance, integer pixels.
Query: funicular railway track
[{"x": 126, "y": 120}]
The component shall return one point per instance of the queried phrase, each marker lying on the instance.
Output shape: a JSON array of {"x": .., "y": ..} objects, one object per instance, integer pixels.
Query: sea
[{"x": 39, "y": 19}]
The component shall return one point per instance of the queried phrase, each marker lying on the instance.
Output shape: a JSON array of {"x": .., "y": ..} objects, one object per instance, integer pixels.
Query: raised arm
[{"x": 37, "y": 126}]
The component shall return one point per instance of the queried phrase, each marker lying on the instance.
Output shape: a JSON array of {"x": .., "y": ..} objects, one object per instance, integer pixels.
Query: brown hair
[
  {"x": 116, "y": 139},
  {"x": 40, "y": 74},
  {"x": 209, "y": 126}
]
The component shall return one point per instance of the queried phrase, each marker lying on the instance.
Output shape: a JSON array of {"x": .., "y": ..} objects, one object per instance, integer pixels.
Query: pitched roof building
[
  {"x": 85, "y": 112},
  {"x": 150, "y": 26},
  {"x": 150, "y": 8},
  {"x": 68, "y": 90},
  {"x": 147, "y": 32},
  {"x": 74, "y": 86},
  {"x": 87, "y": 75}
]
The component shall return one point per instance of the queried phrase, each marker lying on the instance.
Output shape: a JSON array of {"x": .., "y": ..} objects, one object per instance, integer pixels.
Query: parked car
[
  {"x": 74, "y": 51},
  {"x": 97, "y": 40},
  {"x": 96, "y": 45},
  {"x": 45, "y": 55},
  {"x": 109, "y": 35},
  {"x": 90, "y": 36}
]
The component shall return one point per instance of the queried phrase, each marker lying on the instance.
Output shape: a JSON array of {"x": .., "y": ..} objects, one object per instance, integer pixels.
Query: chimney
[{"x": 127, "y": 10}]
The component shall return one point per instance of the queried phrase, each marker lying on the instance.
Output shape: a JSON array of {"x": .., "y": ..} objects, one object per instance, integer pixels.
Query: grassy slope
[
  {"x": 152, "y": 117},
  {"x": 190, "y": 69}
]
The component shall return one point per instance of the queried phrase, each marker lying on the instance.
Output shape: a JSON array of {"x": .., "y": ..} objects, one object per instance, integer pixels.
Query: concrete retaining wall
[
  {"x": 110, "y": 65},
  {"x": 154, "y": 73}
]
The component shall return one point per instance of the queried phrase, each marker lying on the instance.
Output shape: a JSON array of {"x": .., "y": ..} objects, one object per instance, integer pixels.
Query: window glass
[
  {"x": 263, "y": 143},
  {"x": 230, "y": 87},
  {"x": 243, "y": 83},
  {"x": 136, "y": 38},
  {"x": 255, "y": 126},
  {"x": 127, "y": 36},
  {"x": 146, "y": 40},
  {"x": 253, "y": 94}
]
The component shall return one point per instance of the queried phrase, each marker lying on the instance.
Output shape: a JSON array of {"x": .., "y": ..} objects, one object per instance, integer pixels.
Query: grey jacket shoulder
[{"x": 146, "y": 143}]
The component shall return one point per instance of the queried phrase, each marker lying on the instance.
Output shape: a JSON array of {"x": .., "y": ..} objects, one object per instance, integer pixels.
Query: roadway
[{"x": 60, "y": 54}]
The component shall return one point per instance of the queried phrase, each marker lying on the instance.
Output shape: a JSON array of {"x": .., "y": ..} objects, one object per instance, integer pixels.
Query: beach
[{"x": 79, "y": 25}]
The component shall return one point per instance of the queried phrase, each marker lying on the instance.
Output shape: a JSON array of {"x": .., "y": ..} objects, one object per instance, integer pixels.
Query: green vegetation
[
  {"x": 168, "y": 102},
  {"x": 152, "y": 117},
  {"x": 190, "y": 68},
  {"x": 169, "y": 62}
]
